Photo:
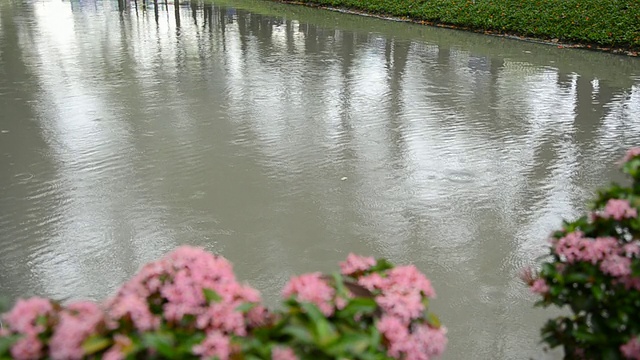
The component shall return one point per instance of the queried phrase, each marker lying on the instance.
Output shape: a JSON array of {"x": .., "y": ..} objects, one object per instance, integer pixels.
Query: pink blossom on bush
[
  {"x": 631, "y": 249},
  {"x": 426, "y": 343},
  {"x": 176, "y": 284},
  {"x": 619, "y": 209},
  {"x": 355, "y": 264},
  {"x": 25, "y": 313},
  {"x": 283, "y": 353},
  {"x": 117, "y": 350},
  {"x": 631, "y": 153},
  {"x": 75, "y": 324},
  {"x": 598, "y": 249},
  {"x": 137, "y": 310},
  {"x": 258, "y": 316},
  {"x": 539, "y": 286},
  {"x": 423, "y": 343},
  {"x": 395, "y": 332},
  {"x": 405, "y": 306},
  {"x": 27, "y": 348},
  {"x": 631, "y": 282},
  {"x": 371, "y": 281},
  {"x": 616, "y": 266},
  {"x": 215, "y": 345},
  {"x": 311, "y": 288},
  {"x": 409, "y": 278},
  {"x": 631, "y": 350},
  {"x": 222, "y": 316},
  {"x": 569, "y": 246}
]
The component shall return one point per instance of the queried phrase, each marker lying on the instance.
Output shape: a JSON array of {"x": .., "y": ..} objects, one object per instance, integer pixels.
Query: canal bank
[{"x": 610, "y": 26}]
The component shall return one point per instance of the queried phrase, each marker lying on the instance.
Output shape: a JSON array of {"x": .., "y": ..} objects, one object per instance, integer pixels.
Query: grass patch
[{"x": 603, "y": 23}]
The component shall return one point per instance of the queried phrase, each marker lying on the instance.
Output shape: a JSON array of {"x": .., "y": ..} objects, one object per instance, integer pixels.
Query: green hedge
[{"x": 603, "y": 23}]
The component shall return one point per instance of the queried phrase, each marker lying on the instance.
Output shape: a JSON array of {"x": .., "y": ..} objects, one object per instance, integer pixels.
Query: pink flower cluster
[
  {"x": 613, "y": 258},
  {"x": 539, "y": 286},
  {"x": 422, "y": 343},
  {"x": 631, "y": 153},
  {"x": 631, "y": 350},
  {"x": 30, "y": 319},
  {"x": 355, "y": 264},
  {"x": 313, "y": 289},
  {"x": 165, "y": 291},
  {"x": 177, "y": 284},
  {"x": 283, "y": 353},
  {"x": 619, "y": 209},
  {"x": 402, "y": 293},
  {"x": 195, "y": 292},
  {"x": 76, "y": 323}
]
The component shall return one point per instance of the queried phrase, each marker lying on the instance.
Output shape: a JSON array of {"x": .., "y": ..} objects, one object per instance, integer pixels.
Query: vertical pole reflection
[
  {"x": 155, "y": 11},
  {"x": 207, "y": 15},
  {"x": 176, "y": 5},
  {"x": 194, "y": 12}
]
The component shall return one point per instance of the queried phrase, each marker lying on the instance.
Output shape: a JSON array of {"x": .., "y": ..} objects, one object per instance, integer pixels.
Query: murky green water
[{"x": 285, "y": 137}]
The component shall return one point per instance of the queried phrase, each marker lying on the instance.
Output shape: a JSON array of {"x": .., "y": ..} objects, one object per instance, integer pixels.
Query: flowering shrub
[
  {"x": 370, "y": 310},
  {"x": 594, "y": 271},
  {"x": 189, "y": 305}
]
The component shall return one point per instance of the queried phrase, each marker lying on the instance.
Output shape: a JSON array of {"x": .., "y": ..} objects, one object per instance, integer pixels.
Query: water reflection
[{"x": 285, "y": 137}]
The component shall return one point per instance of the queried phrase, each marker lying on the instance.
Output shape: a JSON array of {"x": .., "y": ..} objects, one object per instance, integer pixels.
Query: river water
[{"x": 284, "y": 137}]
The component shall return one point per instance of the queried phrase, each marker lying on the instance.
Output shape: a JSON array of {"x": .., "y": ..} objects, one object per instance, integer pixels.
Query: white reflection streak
[
  {"x": 621, "y": 125},
  {"x": 551, "y": 113},
  {"x": 86, "y": 147}
]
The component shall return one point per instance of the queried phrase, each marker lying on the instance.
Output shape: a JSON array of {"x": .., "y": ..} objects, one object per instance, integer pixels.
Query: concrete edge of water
[{"x": 553, "y": 42}]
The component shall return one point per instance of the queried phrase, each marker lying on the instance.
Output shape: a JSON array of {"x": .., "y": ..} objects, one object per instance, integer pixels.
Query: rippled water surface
[{"x": 285, "y": 137}]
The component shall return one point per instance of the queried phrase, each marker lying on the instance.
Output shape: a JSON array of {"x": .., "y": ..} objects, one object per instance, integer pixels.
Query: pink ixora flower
[
  {"x": 27, "y": 348},
  {"x": 631, "y": 153},
  {"x": 395, "y": 332},
  {"x": 137, "y": 309},
  {"x": 426, "y": 343},
  {"x": 283, "y": 353},
  {"x": 631, "y": 350},
  {"x": 311, "y": 288},
  {"x": 405, "y": 306},
  {"x": 76, "y": 323},
  {"x": 117, "y": 350},
  {"x": 409, "y": 278},
  {"x": 619, "y": 209},
  {"x": 616, "y": 265},
  {"x": 215, "y": 345},
  {"x": 539, "y": 286},
  {"x": 22, "y": 318},
  {"x": 355, "y": 264}
]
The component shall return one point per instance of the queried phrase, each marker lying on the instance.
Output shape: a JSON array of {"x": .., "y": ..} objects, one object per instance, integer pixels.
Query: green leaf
[
  {"x": 6, "y": 342},
  {"x": 576, "y": 277},
  {"x": 355, "y": 306},
  {"x": 243, "y": 308},
  {"x": 381, "y": 265},
  {"x": 349, "y": 344},
  {"x": 211, "y": 295},
  {"x": 301, "y": 333},
  {"x": 95, "y": 344},
  {"x": 163, "y": 342},
  {"x": 433, "y": 320},
  {"x": 585, "y": 336},
  {"x": 325, "y": 332},
  {"x": 597, "y": 292}
]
